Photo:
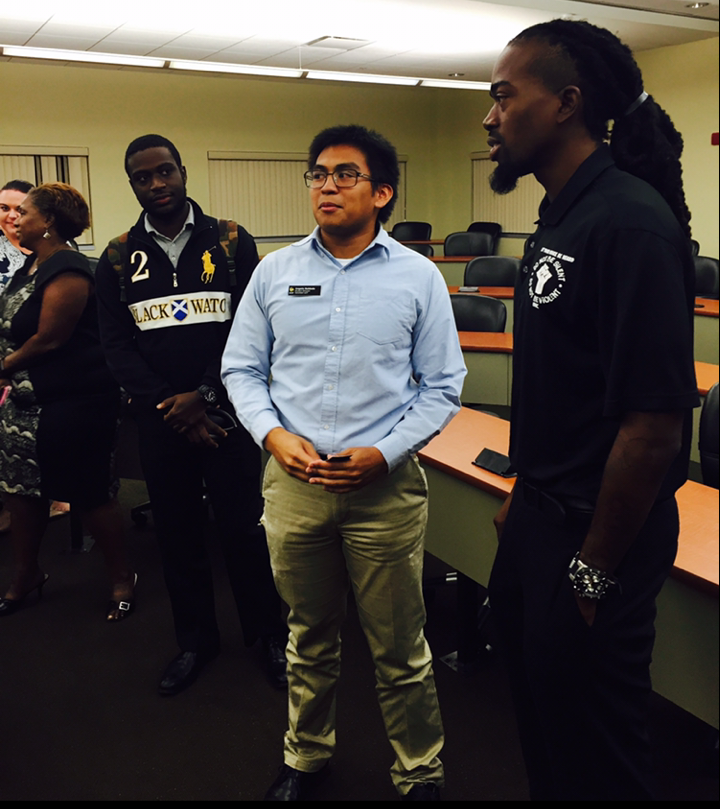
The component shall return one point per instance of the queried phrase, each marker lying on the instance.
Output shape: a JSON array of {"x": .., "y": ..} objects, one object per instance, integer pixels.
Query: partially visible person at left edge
[
  {"x": 58, "y": 424},
  {"x": 12, "y": 255},
  {"x": 167, "y": 291}
]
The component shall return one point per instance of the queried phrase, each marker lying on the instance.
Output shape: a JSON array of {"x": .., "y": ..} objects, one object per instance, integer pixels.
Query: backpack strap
[
  {"x": 117, "y": 256},
  {"x": 228, "y": 238}
]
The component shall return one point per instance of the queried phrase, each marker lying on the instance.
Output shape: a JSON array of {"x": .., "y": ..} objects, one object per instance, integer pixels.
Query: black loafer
[
  {"x": 426, "y": 791},
  {"x": 183, "y": 671},
  {"x": 294, "y": 785},
  {"x": 275, "y": 661}
]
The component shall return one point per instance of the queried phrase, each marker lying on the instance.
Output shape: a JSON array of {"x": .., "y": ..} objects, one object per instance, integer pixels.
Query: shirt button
[
  {"x": 342, "y": 272},
  {"x": 326, "y": 426},
  {"x": 334, "y": 348},
  {"x": 532, "y": 244},
  {"x": 330, "y": 387},
  {"x": 338, "y": 309}
]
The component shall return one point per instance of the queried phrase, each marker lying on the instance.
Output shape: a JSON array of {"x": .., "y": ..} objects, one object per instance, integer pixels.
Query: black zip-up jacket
[{"x": 168, "y": 336}]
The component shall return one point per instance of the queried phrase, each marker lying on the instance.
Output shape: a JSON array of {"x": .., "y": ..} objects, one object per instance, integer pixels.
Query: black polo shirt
[{"x": 603, "y": 325}]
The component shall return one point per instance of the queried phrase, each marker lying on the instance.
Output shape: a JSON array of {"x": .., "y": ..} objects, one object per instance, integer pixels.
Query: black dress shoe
[
  {"x": 183, "y": 671},
  {"x": 294, "y": 785},
  {"x": 275, "y": 661},
  {"x": 427, "y": 791}
]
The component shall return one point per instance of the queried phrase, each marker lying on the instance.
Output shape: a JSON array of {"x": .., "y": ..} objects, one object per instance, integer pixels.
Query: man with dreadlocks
[{"x": 603, "y": 389}]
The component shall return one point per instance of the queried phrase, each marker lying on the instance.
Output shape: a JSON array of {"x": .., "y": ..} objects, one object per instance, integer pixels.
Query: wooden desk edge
[
  {"x": 707, "y": 307},
  {"x": 501, "y": 487}
]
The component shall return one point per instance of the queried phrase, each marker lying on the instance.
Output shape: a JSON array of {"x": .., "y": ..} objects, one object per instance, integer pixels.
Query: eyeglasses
[{"x": 343, "y": 178}]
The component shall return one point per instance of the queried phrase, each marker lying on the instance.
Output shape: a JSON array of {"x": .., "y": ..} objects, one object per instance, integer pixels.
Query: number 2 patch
[{"x": 142, "y": 273}]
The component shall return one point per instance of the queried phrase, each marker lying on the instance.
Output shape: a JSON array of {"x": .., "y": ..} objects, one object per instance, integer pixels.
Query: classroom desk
[
  {"x": 464, "y": 499},
  {"x": 505, "y": 294},
  {"x": 488, "y": 357},
  {"x": 706, "y": 330}
]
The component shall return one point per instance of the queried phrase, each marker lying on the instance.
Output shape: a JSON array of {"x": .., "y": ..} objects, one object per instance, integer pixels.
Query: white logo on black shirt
[{"x": 547, "y": 277}]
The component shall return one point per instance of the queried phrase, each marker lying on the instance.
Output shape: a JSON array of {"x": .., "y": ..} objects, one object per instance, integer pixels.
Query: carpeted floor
[{"x": 81, "y": 719}]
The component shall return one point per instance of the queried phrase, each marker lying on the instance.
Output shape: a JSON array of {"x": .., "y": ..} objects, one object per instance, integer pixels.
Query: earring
[{"x": 47, "y": 234}]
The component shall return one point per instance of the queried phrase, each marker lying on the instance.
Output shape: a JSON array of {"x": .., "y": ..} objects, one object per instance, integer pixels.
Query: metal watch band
[{"x": 588, "y": 581}]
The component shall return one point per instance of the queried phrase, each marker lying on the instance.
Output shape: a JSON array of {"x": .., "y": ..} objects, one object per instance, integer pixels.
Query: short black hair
[
  {"x": 380, "y": 154},
  {"x": 18, "y": 185},
  {"x": 151, "y": 142}
]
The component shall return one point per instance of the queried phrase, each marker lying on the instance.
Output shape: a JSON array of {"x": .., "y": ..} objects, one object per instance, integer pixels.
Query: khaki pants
[{"x": 372, "y": 539}]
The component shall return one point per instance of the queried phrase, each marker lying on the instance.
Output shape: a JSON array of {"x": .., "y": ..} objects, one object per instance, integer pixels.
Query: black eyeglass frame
[{"x": 357, "y": 174}]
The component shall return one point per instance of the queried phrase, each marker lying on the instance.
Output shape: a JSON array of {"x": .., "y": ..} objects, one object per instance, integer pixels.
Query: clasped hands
[
  {"x": 298, "y": 458},
  {"x": 186, "y": 415}
]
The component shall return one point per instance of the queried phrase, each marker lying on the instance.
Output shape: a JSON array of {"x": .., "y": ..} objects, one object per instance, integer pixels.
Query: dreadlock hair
[{"x": 644, "y": 141}]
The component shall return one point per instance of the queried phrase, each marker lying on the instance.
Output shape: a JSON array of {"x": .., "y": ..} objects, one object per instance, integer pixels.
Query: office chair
[
  {"x": 492, "y": 271},
  {"x": 411, "y": 231},
  {"x": 694, "y": 247},
  {"x": 424, "y": 249},
  {"x": 707, "y": 273},
  {"x": 478, "y": 313},
  {"x": 468, "y": 244},
  {"x": 494, "y": 229},
  {"x": 709, "y": 440}
]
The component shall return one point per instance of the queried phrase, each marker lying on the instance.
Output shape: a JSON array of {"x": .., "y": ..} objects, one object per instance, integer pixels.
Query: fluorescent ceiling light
[
  {"x": 225, "y": 67},
  {"x": 83, "y": 56},
  {"x": 367, "y": 78},
  {"x": 456, "y": 85}
]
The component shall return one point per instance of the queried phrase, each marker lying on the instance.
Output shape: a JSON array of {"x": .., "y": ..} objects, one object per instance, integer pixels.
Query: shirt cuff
[
  {"x": 394, "y": 451},
  {"x": 261, "y": 427}
]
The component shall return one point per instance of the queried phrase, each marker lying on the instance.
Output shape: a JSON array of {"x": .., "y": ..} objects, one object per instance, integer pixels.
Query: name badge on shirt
[{"x": 301, "y": 292}]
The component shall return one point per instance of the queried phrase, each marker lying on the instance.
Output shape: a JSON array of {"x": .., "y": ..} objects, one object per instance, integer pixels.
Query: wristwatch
[
  {"x": 210, "y": 395},
  {"x": 590, "y": 582}
]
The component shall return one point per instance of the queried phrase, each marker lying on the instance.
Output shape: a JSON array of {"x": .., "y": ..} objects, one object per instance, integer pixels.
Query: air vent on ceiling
[{"x": 338, "y": 43}]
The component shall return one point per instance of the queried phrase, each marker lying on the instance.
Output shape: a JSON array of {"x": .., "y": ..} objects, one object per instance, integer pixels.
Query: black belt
[{"x": 565, "y": 512}]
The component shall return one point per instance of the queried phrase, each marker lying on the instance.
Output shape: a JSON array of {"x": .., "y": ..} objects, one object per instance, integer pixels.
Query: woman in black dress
[{"x": 59, "y": 417}]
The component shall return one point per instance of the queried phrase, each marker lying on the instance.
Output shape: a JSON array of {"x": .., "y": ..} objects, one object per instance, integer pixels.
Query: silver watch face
[{"x": 209, "y": 394}]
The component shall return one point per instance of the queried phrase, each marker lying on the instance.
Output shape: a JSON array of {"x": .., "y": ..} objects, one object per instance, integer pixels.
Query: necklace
[{"x": 38, "y": 262}]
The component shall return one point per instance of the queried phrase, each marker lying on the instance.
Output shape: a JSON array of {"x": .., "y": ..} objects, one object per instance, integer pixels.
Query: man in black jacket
[{"x": 167, "y": 291}]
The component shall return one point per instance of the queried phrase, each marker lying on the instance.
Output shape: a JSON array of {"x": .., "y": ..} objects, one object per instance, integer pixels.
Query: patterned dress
[
  {"x": 11, "y": 259},
  {"x": 19, "y": 416}
]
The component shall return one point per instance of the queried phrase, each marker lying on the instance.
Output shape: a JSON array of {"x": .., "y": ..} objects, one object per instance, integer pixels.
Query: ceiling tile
[{"x": 70, "y": 43}]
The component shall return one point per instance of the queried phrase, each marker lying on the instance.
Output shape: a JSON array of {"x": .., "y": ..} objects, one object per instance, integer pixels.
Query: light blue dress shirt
[{"x": 346, "y": 354}]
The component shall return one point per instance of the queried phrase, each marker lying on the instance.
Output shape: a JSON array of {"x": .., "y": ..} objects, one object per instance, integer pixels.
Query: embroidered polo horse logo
[{"x": 208, "y": 268}]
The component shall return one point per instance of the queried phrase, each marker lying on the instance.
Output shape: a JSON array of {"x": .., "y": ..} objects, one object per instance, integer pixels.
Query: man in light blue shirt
[{"x": 343, "y": 361}]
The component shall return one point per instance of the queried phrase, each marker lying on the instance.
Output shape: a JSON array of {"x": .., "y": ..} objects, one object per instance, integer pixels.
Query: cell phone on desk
[{"x": 495, "y": 462}]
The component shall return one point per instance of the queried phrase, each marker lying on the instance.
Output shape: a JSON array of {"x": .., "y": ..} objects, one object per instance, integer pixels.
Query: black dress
[{"x": 58, "y": 425}]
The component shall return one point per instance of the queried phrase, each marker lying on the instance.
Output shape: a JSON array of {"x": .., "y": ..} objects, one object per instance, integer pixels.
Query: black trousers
[
  {"x": 175, "y": 471},
  {"x": 580, "y": 692}
]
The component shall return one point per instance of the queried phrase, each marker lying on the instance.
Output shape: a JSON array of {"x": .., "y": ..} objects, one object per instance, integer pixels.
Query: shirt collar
[
  {"x": 381, "y": 241},
  {"x": 189, "y": 223},
  {"x": 552, "y": 212}
]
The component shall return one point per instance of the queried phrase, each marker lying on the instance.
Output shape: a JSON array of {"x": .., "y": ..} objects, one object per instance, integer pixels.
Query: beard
[{"x": 505, "y": 177}]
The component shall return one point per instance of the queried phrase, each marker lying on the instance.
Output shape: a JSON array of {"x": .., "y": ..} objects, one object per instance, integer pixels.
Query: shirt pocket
[{"x": 387, "y": 321}]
